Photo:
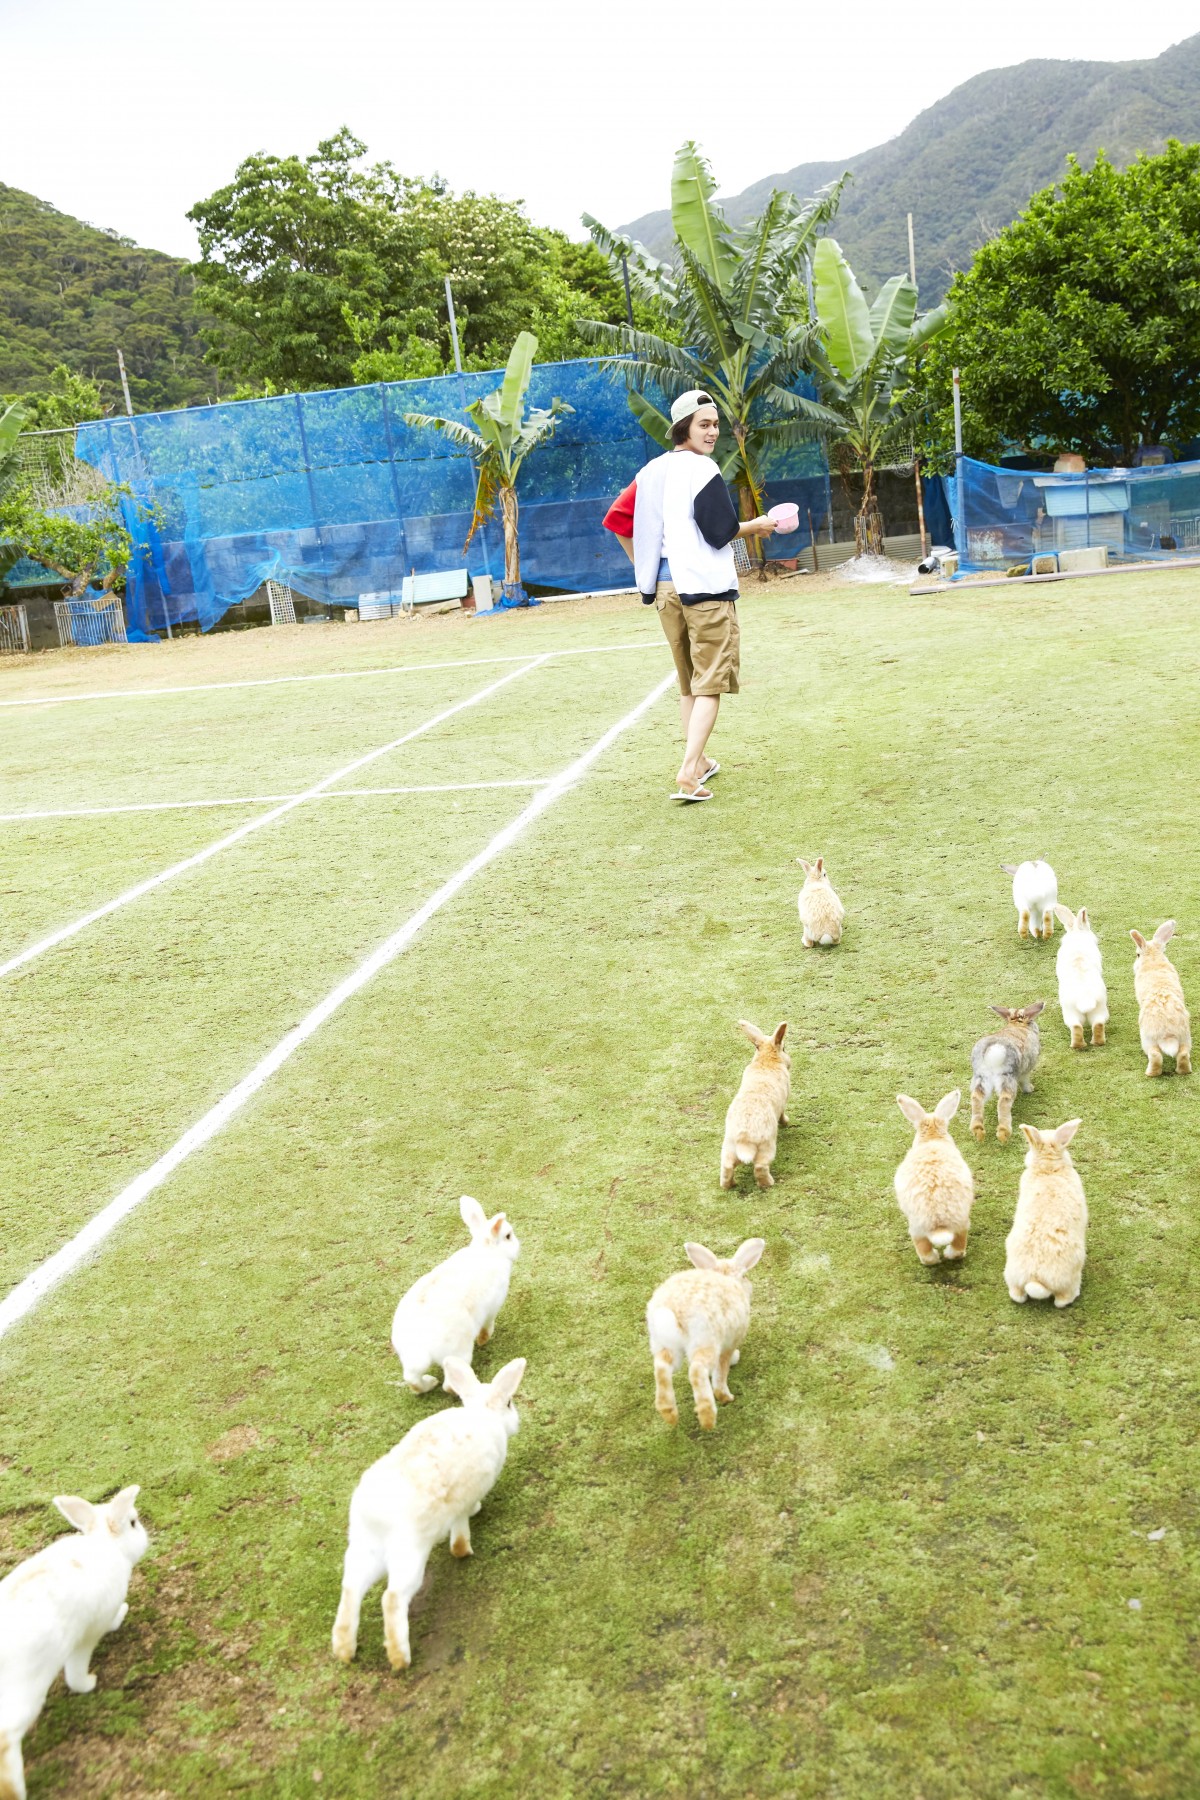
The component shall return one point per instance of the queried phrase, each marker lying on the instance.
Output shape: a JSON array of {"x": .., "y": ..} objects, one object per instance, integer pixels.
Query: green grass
[{"x": 903, "y": 1563}]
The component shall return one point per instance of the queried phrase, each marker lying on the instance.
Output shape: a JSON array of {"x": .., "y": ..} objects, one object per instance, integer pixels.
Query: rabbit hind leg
[
  {"x": 1098, "y": 1032},
  {"x": 460, "y": 1537},
  {"x": 1048, "y": 924},
  {"x": 406, "y": 1571},
  {"x": 925, "y": 1250},
  {"x": 700, "y": 1370},
  {"x": 721, "y": 1384},
  {"x": 956, "y": 1248},
  {"x": 363, "y": 1567},
  {"x": 664, "y": 1386},
  {"x": 978, "y": 1128},
  {"x": 76, "y": 1673},
  {"x": 1004, "y": 1106},
  {"x": 1023, "y": 925}
]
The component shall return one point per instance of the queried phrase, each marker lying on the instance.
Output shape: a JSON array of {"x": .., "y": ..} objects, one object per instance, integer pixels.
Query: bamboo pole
[
  {"x": 920, "y": 504},
  {"x": 812, "y": 542}
]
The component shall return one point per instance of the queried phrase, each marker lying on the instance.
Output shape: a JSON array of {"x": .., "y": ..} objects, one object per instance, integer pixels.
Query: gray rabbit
[{"x": 1002, "y": 1062}]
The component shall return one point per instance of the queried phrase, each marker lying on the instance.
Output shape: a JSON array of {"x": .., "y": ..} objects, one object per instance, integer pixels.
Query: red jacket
[{"x": 619, "y": 517}]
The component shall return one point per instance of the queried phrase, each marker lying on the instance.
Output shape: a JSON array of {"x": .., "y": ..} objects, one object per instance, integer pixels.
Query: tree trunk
[
  {"x": 750, "y": 503},
  {"x": 513, "y": 591},
  {"x": 868, "y": 521}
]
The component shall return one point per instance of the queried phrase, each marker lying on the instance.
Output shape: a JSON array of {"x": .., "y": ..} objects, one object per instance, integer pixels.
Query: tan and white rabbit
[
  {"x": 700, "y": 1317},
  {"x": 454, "y": 1307},
  {"x": 1045, "y": 1250},
  {"x": 54, "y": 1609},
  {"x": 1082, "y": 994},
  {"x": 429, "y": 1486},
  {"x": 935, "y": 1189},
  {"x": 758, "y": 1108},
  {"x": 821, "y": 912},
  {"x": 1164, "y": 1023},
  {"x": 1035, "y": 893},
  {"x": 1002, "y": 1062}
]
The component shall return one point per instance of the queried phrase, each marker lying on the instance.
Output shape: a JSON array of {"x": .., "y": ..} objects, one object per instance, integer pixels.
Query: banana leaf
[
  {"x": 697, "y": 220},
  {"x": 656, "y": 425},
  {"x": 841, "y": 309},
  {"x": 892, "y": 315}
]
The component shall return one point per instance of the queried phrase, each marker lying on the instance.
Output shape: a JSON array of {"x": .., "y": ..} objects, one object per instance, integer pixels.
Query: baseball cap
[{"x": 686, "y": 405}]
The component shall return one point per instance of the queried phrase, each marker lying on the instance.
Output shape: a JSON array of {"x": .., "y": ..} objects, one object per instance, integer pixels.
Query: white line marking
[
  {"x": 156, "y": 806},
  {"x": 208, "y": 687},
  {"x": 36, "y": 1285},
  {"x": 267, "y": 818}
]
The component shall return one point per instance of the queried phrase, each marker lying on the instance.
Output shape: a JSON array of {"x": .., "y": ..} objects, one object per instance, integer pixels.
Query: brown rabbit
[
  {"x": 701, "y": 1317},
  {"x": 758, "y": 1108},
  {"x": 1164, "y": 1024}
]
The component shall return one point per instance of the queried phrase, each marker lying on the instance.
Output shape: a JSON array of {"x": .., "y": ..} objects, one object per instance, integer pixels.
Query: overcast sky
[{"x": 126, "y": 112}]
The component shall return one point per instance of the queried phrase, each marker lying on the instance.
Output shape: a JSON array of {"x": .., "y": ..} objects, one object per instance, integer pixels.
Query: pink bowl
[{"x": 786, "y": 516}]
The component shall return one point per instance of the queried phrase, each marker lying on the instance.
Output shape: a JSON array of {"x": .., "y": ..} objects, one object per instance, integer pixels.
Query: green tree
[
  {"x": 88, "y": 546},
  {"x": 503, "y": 437},
  {"x": 67, "y": 399},
  {"x": 737, "y": 315},
  {"x": 1078, "y": 326},
  {"x": 12, "y": 423},
  {"x": 863, "y": 369}
]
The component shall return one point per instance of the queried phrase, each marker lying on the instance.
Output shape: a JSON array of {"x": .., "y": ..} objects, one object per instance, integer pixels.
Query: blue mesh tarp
[
  {"x": 334, "y": 494},
  {"x": 1008, "y": 516}
]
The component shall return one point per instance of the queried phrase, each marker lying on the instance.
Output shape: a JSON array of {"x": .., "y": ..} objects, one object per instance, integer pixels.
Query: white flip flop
[
  {"x": 695, "y": 797},
  {"x": 712, "y": 769}
]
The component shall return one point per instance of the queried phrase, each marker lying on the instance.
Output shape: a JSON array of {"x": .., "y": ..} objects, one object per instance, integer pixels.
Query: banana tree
[
  {"x": 503, "y": 437},
  {"x": 12, "y": 420},
  {"x": 863, "y": 370},
  {"x": 735, "y": 303}
]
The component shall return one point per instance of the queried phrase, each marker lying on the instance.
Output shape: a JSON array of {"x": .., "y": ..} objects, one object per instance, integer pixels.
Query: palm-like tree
[
  {"x": 12, "y": 419},
  {"x": 863, "y": 369},
  {"x": 735, "y": 301},
  {"x": 503, "y": 437}
]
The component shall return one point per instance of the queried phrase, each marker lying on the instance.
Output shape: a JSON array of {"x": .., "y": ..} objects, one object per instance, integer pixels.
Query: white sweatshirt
[{"x": 683, "y": 512}]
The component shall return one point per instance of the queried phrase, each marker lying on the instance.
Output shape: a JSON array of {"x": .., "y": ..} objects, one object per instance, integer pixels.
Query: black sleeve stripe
[{"x": 716, "y": 520}]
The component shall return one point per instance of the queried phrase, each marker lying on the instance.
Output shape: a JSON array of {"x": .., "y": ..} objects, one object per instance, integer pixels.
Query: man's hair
[{"x": 681, "y": 427}]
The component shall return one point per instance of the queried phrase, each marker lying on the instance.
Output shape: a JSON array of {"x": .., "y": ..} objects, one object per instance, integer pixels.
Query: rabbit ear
[
  {"x": 820, "y": 865},
  {"x": 699, "y": 1257},
  {"x": 1138, "y": 939},
  {"x": 1002, "y": 1010},
  {"x": 779, "y": 1033},
  {"x": 1031, "y": 1012},
  {"x": 1066, "y": 1132},
  {"x": 79, "y": 1513},
  {"x": 121, "y": 1509},
  {"x": 1165, "y": 932},
  {"x": 1009, "y": 868},
  {"x": 1082, "y": 919},
  {"x": 806, "y": 866},
  {"x": 504, "y": 1385},
  {"x": 913, "y": 1111},
  {"x": 1065, "y": 917},
  {"x": 947, "y": 1106},
  {"x": 747, "y": 1254},
  {"x": 472, "y": 1214},
  {"x": 752, "y": 1032},
  {"x": 461, "y": 1378},
  {"x": 1033, "y": 1136},
  {"x": 496, "y": 1226}
]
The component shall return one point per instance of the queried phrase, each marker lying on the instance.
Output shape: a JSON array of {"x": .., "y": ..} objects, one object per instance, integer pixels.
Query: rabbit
[
  {"x": 454, "y": 1307},
  {"x": 54, "y": 1609},
  {"x": 1164, "y": 1024},
  {"x": 758, "y": 1108},
  {"x": 1081, "y": 990},
  {"x": 1035, "y": 892},
  {"x": 701, "y": 1315},
  {"x": 821, "y": 912},
  {"x": 1045, "y": 1250},
  {"x": 430, "y": 1485},
  {"x": 935, "y": 1189},
  {"x": 1002, "y": 1062}
]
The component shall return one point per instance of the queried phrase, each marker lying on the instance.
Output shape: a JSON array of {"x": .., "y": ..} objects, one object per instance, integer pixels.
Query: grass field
[{"x": 905, "y": 1563}]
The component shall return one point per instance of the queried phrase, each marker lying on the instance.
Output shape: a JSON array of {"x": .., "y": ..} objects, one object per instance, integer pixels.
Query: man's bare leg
[{"x": 701, "y": 717}]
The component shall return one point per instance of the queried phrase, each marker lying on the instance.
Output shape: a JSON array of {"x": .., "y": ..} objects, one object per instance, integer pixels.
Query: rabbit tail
[
  {"x": 941, "y": 1238},
  {"x": 12, "y": 1767},
  {"x": 1036, "y": 1291},
  {"x": 1169, "y": 1046},
  {"x": 745, "y": 1149}
]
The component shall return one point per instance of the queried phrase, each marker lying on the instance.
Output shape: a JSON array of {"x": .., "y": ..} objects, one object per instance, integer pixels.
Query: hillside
[
  {"x": 70, "y": 293},
  {"x": 967, "y": 165}
]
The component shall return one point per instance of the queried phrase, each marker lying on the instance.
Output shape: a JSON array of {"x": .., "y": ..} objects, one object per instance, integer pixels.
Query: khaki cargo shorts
[{"x": 704, "y": 641}]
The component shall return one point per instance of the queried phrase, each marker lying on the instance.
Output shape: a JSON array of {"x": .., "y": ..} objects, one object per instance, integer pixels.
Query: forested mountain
[
  {"x": 70, "y": 293},
  {"x": 967, "y": 165}
]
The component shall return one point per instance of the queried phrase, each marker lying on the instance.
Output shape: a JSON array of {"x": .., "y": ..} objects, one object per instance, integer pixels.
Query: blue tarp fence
[
  {"x": 334, "y": 494},
  {"x": 1007, "y": 516}
]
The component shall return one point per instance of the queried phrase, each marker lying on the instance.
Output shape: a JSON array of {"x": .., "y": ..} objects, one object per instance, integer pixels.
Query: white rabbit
[
  {"x": 429, "y": 1486},
  {"x": 1035, "y": 890},
  {"x": 821, "y": 912},
  {"x": 935, "y": 1189},
  {"x": 454, "y": 1307},
  {"x": 1082, "y": 994},
  {"x": 701, "y": 1316},
  {"x": 1045, "y": 1250},
  {"x": 54, "y": 1609}
]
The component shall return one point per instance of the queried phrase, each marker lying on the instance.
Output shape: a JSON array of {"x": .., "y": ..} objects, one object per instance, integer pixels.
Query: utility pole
[
  {"x": 912, "y": 254},
  {"x": 628, "y": 295},
  {"x": 960, "y": 536},
  {"x": 453, "y": 327},
  {"x": 125, "y": 384}
]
